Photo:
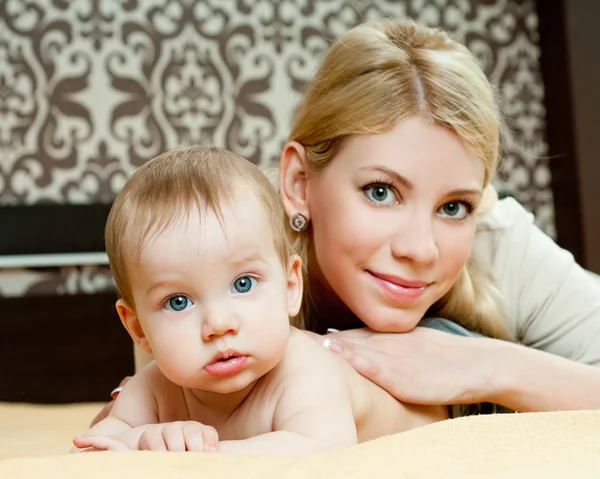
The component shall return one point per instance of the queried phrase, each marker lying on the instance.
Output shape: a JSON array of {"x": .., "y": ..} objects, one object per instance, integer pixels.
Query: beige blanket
[{"x": 34, "y": 441}]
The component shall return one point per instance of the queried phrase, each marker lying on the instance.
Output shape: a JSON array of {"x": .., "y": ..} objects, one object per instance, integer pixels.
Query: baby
[{"x": 208, "y": 283}]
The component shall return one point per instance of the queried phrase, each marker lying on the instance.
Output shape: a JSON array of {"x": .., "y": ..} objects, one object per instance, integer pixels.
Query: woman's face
[{"x": 393, "y": 221}]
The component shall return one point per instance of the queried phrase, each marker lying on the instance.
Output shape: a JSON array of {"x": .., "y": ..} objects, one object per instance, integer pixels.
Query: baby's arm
[
  {"x": 314, "y": 411},
  {"x": 133, "y": 412},
  {"x": 133, "y": 422}
]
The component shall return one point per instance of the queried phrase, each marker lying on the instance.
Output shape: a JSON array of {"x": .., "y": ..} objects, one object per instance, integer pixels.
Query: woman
[
  {"x": 386, "y": 183},
  {"x": 386, "y": 180}
]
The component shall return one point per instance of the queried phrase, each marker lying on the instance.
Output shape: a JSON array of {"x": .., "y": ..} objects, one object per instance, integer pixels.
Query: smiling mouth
[{"x": 399, "y": 289}]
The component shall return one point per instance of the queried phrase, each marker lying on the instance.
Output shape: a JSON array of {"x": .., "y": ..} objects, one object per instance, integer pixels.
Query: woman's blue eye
[
  {"x": 380, "y": 194},
  {"x": 178, "y": 303},
  {"x": 455, "y": 210},
  {"x": 243, "y": 284}
]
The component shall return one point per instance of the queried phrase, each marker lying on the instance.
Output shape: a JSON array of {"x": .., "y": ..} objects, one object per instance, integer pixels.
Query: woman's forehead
[{"x": 415, "y": 147}]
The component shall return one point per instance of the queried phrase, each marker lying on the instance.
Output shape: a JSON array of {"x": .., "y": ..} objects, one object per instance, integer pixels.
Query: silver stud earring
[{"x": 298, "y": 222}]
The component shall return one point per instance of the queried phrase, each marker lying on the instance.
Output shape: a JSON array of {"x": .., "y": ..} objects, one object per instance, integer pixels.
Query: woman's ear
[{"x": 292, "y": 179}]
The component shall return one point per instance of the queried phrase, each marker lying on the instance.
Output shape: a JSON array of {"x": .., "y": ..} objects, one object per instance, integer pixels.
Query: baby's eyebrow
[
  {"x": 172, "y": 284},
  {"x": 154, "y": 286},
  {"x": 246, "y": 257}
]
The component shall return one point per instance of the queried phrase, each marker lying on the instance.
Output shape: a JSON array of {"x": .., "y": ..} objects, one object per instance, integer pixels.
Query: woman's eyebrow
[
  {"x": 464, "y": 192},
  {"x": 394, "y": 174},
  {"x": 410, "y": 186}
]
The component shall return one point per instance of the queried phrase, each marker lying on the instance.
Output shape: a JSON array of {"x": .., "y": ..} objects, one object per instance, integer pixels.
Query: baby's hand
[
  {"x": 180, "y": 436},
  {"x": 98, "y": 443}
]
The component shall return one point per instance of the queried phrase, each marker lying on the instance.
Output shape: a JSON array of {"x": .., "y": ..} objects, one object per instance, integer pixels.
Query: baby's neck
[{"x": 219, "y": 405}]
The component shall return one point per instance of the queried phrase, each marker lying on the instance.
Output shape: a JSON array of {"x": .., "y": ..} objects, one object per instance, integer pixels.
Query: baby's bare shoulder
[
  {"x": 164, "y": 391},
  {"x": 305, "y": 361},
  {"x": 152, "y": 377},
  {"x": 305, "y": 354}
]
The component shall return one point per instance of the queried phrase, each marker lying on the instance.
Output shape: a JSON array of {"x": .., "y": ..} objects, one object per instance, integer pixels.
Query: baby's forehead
[
  {"x": 242, "y": 219},
  {"x": 199, "y": 241},
  {"x": 236, "y": 217}
]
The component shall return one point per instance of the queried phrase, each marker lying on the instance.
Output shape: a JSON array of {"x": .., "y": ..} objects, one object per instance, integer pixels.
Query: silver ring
[{"x": 115, "y": 392}]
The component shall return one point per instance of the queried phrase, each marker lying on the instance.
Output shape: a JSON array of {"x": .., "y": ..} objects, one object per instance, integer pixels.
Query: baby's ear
[
  {"x": 294, "y": 285},
  {"x": 132, "y": 325}
]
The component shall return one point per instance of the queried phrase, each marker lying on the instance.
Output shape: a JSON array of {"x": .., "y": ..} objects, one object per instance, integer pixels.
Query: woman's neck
[{"x": 328, "y": 310}]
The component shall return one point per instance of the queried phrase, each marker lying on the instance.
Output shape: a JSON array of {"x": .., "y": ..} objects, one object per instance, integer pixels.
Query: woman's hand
[
  {"x": 106, "y": 409},
  {"x": 423, "y": 366}
]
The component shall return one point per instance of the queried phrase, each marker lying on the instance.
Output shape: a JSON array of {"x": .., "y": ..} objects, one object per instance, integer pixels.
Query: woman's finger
[
  {"x": 364, "y": 360},
  {"x": 317, "y": 337},
  {"x": 350, "y": 334}
]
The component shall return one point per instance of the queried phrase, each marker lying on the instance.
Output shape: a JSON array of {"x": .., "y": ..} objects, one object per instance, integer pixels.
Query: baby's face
[{"x": 214, "y": 299}]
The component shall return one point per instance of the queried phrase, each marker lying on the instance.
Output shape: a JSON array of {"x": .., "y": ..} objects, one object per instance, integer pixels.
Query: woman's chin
[{"x": 391, "y": 320}]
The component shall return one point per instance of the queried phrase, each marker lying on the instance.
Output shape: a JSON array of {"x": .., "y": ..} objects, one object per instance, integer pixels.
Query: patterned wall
[{"x": 91, "y": 89}]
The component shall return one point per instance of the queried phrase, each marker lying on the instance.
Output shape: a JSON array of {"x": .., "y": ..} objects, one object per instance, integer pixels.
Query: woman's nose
[{"x": 415, "y": 240}]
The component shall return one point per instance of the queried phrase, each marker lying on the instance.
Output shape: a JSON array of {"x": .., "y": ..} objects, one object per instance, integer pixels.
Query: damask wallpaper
[{"x": 91, "y": 89}]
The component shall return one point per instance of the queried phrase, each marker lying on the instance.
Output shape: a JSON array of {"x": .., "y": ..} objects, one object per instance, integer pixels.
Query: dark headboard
[{"x": 61, "y": 349}]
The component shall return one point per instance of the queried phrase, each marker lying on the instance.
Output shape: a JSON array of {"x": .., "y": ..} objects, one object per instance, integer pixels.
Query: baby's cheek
[{"x": 173, "y": 352}]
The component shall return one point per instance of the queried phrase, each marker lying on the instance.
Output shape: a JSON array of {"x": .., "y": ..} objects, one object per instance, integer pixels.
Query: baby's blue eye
[
  {"x": 243, "y": 284},
  {"x": 178, "y": 303}
]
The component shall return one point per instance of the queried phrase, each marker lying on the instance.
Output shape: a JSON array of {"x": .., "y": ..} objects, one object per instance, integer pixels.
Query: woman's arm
[
  {"x": 530, "y": 380},
  {"x": 552, "y": 308},
  {"x": 550, "y": 302},
  {"x": 554, "y": 305},
  {"x": 426, "y": 366}
]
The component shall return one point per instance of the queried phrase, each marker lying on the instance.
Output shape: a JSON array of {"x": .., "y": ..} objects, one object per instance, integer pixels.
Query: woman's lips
[{"x": 397, "y": 288}]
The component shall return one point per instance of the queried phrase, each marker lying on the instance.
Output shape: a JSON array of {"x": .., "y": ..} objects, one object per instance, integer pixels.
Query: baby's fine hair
[{"x": 167, "y": 188}]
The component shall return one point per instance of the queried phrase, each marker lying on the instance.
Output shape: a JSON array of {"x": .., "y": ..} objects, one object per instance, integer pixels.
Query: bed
[{"x": 35, "y": 439}]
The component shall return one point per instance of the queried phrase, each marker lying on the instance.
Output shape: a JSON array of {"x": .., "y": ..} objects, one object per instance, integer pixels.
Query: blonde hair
[
  {"x": 167, "y": 188},
  {"x": 376, "y": 75}
]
